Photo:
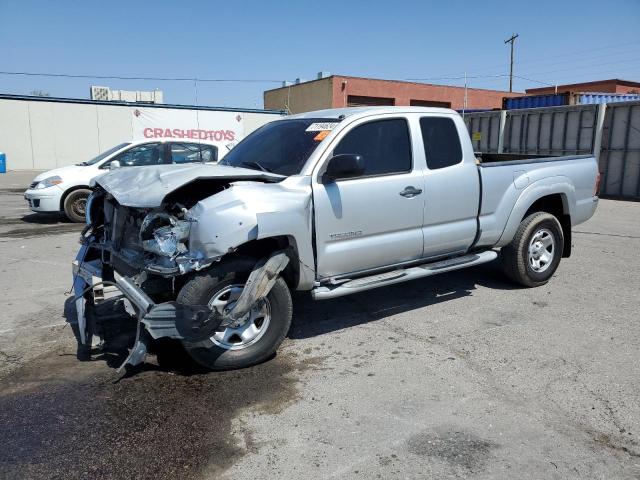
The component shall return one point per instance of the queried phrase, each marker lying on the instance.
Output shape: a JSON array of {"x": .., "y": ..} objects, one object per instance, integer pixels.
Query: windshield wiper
[{"x": 256, "y": 164}]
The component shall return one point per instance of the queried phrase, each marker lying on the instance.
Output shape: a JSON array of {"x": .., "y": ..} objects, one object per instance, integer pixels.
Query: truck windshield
[
  {"x": 105, "y": 154},
  {"x": 280, "y": 147}
]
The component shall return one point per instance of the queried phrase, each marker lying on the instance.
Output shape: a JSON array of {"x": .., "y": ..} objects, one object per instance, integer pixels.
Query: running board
[{"x": 402, "y": 275}]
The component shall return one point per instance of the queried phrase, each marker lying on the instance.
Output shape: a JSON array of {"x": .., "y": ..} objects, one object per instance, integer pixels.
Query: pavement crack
[{"x": 607, "y": 234}]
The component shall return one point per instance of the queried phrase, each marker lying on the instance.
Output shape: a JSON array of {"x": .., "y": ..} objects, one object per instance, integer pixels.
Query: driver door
[{"x": 373, "y": 220}]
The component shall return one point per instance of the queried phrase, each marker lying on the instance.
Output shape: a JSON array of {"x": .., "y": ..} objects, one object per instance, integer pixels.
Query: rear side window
[
  {"x": 192, "y": 152},
  {"x": 441, "y": 142},
  {"x": 385, "y": 146}
]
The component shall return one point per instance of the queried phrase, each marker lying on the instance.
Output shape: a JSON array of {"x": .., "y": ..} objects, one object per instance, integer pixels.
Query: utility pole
[{"x": 511, "y": 40}]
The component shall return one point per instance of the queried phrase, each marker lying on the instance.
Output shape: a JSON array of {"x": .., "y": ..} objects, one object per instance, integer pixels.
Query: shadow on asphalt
[
  {"x": 310, "y": 318},
  {"x": 45, "y": 218},
  {"x": 313, "y": 318}
]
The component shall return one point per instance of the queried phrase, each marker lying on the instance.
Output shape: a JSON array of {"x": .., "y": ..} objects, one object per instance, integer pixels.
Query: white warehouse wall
[
  {"x": 41, "y": 134},
  {"x": 15, "y": 134}
]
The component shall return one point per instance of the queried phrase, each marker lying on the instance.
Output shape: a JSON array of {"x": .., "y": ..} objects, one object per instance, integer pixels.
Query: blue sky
[{"x": 560, "y": 42}]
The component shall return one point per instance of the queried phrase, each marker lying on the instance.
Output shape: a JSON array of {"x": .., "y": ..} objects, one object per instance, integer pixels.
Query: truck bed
[
  {"x": 493, "y": 159},
  {"x": 508, "y": 179}
]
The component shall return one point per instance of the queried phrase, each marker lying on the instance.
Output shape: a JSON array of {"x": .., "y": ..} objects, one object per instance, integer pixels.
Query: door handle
[{"x": 410, "y": 191}]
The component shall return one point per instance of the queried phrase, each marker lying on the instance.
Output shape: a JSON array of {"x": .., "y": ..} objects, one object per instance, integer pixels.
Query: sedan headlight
[{"x": 49, "y": 182}]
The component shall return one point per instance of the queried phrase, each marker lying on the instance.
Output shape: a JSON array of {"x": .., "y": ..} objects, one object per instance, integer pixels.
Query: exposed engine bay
[{"x": 136, "y": 240}]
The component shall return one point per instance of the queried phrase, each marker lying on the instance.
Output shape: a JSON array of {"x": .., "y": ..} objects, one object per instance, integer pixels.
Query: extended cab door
[
  {"x": 375, "y": 219},
  {"x": 452, "y": 187}
]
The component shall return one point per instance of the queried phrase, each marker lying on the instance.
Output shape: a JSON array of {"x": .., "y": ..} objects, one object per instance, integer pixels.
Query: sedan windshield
[
  {"x": 281, "y": 147},
  {"x": 105, "y": 154}
]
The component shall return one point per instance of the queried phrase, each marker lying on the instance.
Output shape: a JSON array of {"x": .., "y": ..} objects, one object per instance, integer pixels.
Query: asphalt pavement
[{"x": 462, "y": 375}]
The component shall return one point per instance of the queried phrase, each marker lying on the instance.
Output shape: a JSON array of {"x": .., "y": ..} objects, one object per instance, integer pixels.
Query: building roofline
[
  {"x": 357, "y": 112},
  {"x": 627, "y": 83},
  {"x": 5, "y": 96},
  {"x": 301, "y": 83},
  {"x": 393, "y": 81}
]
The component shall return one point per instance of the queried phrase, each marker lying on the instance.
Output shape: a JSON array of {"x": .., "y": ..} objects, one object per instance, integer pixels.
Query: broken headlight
[{"x": 164, "y": 234}]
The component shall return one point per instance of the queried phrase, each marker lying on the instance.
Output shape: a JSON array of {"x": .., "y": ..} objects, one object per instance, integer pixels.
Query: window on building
[
  {"x": 441, "y": 142},
  {"x": 429, "y": 103},
  {"x": 192, "y": 153},
  {"x": 363, "y": 101},
  {"x": 385, "y": 146}
]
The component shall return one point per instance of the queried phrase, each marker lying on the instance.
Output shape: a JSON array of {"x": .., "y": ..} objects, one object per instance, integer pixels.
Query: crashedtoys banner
[{"x": 223, "y": 128}]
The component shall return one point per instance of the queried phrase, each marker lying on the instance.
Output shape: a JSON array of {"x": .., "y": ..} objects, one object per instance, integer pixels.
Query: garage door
[{"x": 362, "y": 101}]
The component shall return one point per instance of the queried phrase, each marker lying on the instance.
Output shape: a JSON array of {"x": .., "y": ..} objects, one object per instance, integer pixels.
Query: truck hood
[{"x": 146, "y": 187}]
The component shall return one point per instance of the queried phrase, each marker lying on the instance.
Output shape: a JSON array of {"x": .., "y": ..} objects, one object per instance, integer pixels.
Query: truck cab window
[
  {"x": 385, "y": 146},
  {"x": 441, "y": 142}
]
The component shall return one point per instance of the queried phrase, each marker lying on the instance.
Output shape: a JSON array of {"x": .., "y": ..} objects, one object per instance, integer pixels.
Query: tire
[
  {"x": 75, "y": 204},
  {"x": 534, "y": 266},
  {"x": 219, "y": 353}
]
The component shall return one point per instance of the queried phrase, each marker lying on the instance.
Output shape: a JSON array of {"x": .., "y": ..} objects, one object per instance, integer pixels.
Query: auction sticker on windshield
[
  {"x": 318, "y": 127},
  {"x": 322, "y": 135}
]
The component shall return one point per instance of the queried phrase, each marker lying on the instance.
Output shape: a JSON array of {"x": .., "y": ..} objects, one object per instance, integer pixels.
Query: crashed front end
[
  {"x": 142, "y": 252},
  {"x": 136, "y": 254},
  {"x": 141, "y": 241}
]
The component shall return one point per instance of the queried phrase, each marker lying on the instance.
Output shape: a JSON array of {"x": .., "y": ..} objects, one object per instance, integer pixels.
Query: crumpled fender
[{"x": 252, "y": 211}]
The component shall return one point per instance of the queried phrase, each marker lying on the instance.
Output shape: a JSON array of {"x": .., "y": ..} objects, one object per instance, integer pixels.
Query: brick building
[
  {"x": 334, "y": 91},
  {"x": 613, "y": 85}
]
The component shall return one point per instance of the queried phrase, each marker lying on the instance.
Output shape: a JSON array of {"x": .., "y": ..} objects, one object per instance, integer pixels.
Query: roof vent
[
  {"x": 100, "y": 93},
  {"x": 323, "y": 75}
]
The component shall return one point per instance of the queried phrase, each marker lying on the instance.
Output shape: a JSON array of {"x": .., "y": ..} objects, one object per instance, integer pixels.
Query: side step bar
[{"x": 402, "y": 275}]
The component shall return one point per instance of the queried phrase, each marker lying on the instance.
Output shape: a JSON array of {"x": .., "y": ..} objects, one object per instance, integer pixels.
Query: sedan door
[{"x": 375, "y": 219}]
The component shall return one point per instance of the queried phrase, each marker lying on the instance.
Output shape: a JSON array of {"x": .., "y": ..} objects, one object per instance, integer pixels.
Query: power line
[
  {"x": 582, "y": 67},
  {"x": 544, "y": 61},
  {"x": 156, "y": 79}
]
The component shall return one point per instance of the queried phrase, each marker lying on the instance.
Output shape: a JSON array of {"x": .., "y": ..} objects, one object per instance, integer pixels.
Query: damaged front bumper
[
  {"x": 190, "y": 323},
  {"x": 193, "y": 324}
]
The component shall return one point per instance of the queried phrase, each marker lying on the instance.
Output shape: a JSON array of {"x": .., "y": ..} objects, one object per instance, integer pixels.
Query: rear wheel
[
  {"x": 75, "y": 205},
  {"x": 534, "y": 254},
  {"x": 240, "y": 344}
]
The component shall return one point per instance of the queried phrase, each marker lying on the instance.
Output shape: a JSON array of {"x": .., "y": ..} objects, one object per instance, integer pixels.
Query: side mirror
[
  {"x": 344, "y": 165},
  {"x": 114, "y": 164}
]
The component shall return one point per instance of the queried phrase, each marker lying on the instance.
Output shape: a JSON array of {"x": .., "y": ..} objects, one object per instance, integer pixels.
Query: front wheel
[
  {"x": 245, "y": 343},
  {"x": 534, "y": 254},
  {"x": 75, "y": 205}
]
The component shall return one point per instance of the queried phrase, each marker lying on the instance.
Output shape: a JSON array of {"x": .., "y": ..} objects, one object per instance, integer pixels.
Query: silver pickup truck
[{"x": 333, "y": 202}]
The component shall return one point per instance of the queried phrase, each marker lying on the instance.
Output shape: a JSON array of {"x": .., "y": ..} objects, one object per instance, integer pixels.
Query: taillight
[{"x": 596, "y": 188}]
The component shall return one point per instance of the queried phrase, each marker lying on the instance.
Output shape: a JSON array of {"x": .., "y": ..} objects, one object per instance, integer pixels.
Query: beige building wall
[
  {"x": 253, "y": 121},
  {"x": 303, "y": 97},
  {"x": 41, "y": 135},
  {"x": 113, "y": 125},
  {"x": 15, "y": 134}
]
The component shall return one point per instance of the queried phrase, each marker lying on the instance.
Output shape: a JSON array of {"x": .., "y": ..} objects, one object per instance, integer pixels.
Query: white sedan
[{"x": 66, "y": 189}]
